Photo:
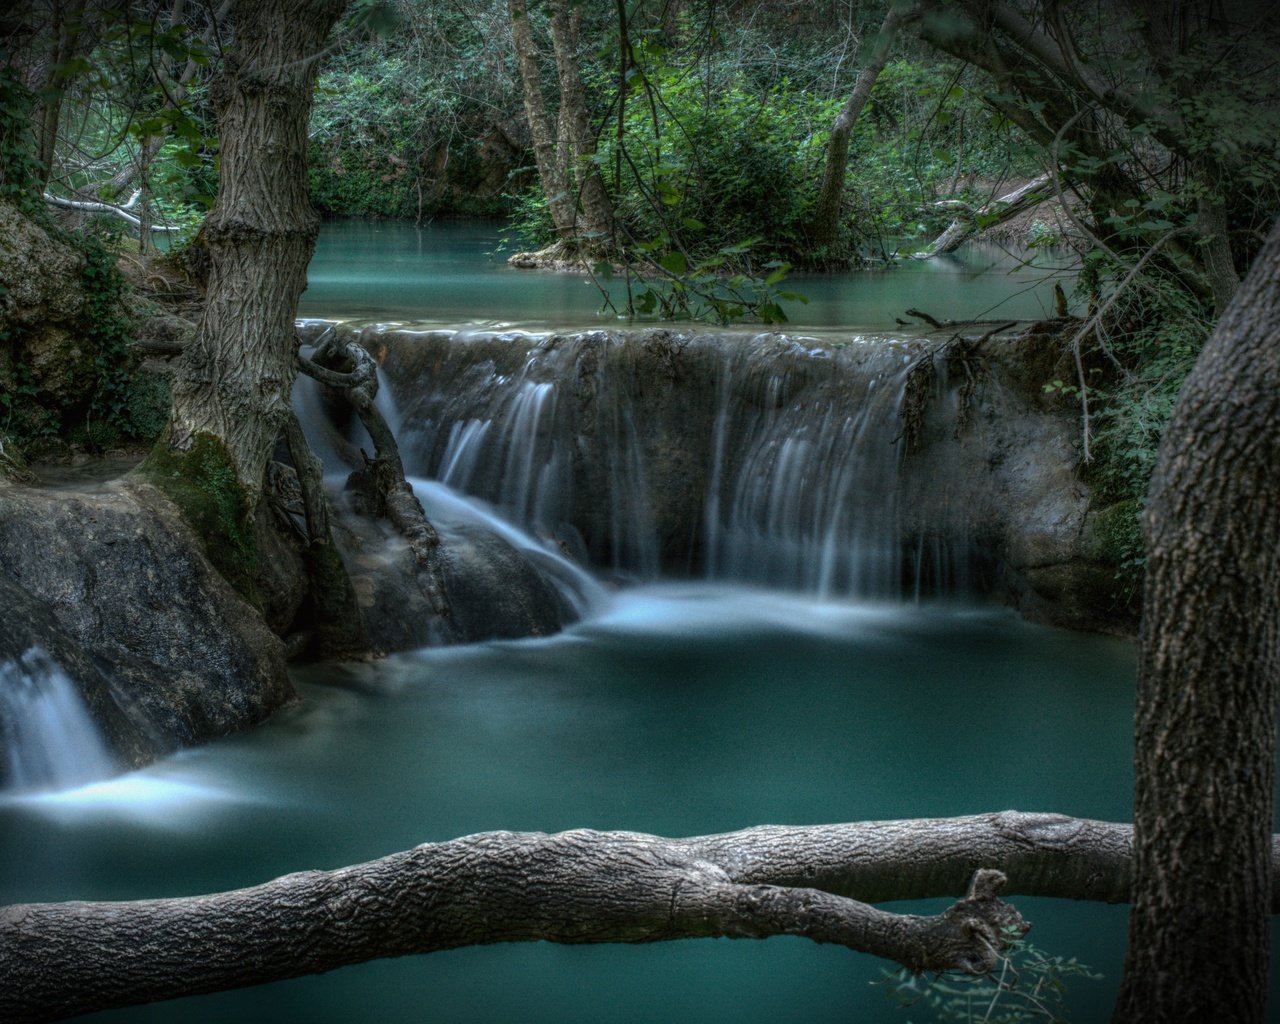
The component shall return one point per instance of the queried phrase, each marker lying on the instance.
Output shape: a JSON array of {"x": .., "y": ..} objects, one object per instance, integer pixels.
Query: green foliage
[
  {"x": 1029, "y": 986},
  {"x": 672, "y": 288},
  {"x": 136, "y": 105},
  {"x": 124, "y": 406},
  {"x": 404, "y": 120},
  {"x": 18, "y": 165},
  {"x": 1148, "y": 347},
  {"x": 202, "y": 482},
  {"x": 120, "y": 405},
  {"x": 716, "y": 167},
  {"x": 22, "y": 416}
]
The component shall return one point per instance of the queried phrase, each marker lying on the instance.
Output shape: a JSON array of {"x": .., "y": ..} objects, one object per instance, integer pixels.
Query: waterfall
[
  {"x": 508, "y": 432},
  {"x": 734, "y": 457},
  {"x": 47, "y": 738},
  {"x": 809, "y": 500}
]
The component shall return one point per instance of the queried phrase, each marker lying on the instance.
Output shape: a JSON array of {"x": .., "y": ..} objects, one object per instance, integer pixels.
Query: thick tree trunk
[
  {"x": 825, "y": 225},
  {"x": 1208, "y": 680},
  {"x": 233, "y": 381},
  {"x": 574, "y": 887},
  {"x": 562, "y": 147}
]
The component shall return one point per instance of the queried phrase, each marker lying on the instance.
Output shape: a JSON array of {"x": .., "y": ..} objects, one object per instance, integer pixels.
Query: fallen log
[
  {"x": 990, "y": 214},
  {"x": 583, "y": 886}
]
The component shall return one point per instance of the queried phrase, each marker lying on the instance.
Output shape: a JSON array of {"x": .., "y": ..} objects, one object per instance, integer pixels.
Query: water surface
[
  {"x": 679, "y": 710},
  {"x": 452, "y": 272}
]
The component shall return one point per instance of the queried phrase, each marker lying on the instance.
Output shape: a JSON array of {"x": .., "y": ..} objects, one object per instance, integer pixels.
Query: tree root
[{"x": 393, "y": 497}]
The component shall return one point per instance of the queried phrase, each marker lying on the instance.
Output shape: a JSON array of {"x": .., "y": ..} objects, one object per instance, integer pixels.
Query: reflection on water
[
  {"x": 679, "y": 710},
  {"x": 451, "y": 273}
]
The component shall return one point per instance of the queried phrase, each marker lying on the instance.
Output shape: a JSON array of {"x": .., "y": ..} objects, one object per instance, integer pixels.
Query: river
[{"x": 678, "y": 708}]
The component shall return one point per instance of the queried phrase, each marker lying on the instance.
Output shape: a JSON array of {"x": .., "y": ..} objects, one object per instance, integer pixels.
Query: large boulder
[
  {"x": 114, "y": 586},
  {"x": 492, "y": 590}
]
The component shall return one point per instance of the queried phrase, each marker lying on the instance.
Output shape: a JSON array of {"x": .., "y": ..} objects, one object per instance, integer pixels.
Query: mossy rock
[{"x": 202, "y": 482}]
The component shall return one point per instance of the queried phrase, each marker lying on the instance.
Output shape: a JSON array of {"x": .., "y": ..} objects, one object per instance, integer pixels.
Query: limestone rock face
[
  {"x": 862, "y": 466},
  {"x": 111, "y": 582}
]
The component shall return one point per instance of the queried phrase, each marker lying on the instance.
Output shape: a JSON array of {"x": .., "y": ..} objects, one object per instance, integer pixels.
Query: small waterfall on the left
[{"x": 47, "y": 738}]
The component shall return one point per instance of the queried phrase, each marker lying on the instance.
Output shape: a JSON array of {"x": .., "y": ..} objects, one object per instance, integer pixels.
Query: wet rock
[
  {"x": 27, "y": 624},
  {"x": 182, "y": 656},
  {"x": 493, "y": 591}
]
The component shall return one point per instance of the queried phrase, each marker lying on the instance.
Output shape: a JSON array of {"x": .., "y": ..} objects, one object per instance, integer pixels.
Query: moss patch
[
  {"x": 1119, "y": 539},
  {"x": 202, "y": 482}
]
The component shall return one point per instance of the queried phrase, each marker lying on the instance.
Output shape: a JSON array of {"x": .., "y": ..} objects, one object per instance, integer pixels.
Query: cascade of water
[
  {"x": 445, "y": 507},
  {"x": 516, "y": 438},
  {"x": 808, "y": 498},
  {"x": 763, "y": 460},
  {"x": 47, "y": 737}
]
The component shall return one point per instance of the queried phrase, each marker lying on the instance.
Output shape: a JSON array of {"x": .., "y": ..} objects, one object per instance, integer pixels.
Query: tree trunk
[
  {"x": 552, "y": 171},
  {"x": 995, "y": 212},
  {"x": 576, "y": 199},
  {"x": 1208, "y": 680},
  {"x": 825, "y": 225},
  {"x": 574, "y": 887},
  {"x": 596, "y": 216},
  {"x": 233, "y": 382}
]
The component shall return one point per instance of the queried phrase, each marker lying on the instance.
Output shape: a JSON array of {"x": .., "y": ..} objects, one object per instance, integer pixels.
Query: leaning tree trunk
[
  {"x": 1208, "y": 681},
  {"x": 825, "y": 224},
  {"x": 232, "y": 386},
  {"x": 577, "y": 138}
]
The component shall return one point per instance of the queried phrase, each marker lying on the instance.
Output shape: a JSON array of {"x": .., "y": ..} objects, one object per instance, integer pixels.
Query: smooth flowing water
[
  {"x": 50, "y": 739},
  {"x": 678, "y": 710},
  {"x": 452, "y": 272}
]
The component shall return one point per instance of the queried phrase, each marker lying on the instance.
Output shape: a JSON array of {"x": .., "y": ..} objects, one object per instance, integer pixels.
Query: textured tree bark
[
  {"x": 233, "y": 381},
  {"x": 552, "y": 170},
  {"x": 562, "y": 147},
  {"x": 826, "y": 213},
  {"x": 574, "y": 887},
  {"x": 578, "y": 141},
  {"x": 1208, "y": 680}
]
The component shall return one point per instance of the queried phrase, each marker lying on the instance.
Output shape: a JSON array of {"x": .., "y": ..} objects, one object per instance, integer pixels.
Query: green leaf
[{"x": 674, "y": 262}]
